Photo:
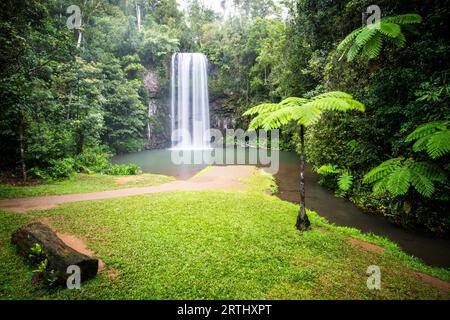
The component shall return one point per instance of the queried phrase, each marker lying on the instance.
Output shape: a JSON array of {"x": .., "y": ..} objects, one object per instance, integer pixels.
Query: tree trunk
[
  {"x": 138, "y": 16},
  {"x": 22, "y": 151},
  {"x": 57, "y": 253},
  {"x": 302, "y": 218},
  {"x": 80, "y": 37}
]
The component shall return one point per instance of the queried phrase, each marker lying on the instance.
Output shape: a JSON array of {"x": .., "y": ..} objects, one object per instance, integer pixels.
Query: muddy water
[{"x": 433, "y": 251}]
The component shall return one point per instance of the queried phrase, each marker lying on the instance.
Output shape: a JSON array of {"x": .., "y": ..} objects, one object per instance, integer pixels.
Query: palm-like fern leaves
[
  {"x": 345, "y": 179},
  {"x": 368, "y": 40},
  {"x": 303, "y": 111},
  {"x": 434, "y": 137},
  {"x": 398, "y": 175}
]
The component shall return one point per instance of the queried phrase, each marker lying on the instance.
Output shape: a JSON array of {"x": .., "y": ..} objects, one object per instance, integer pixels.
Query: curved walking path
[{"x": 212, "y": 178}]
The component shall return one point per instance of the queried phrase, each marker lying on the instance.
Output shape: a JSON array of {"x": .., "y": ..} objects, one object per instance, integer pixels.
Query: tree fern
[
  {"x": 302, "y": 111},
  {"x": 368, "y": 40},
  {"x": 397, "y": 175},
  {"x": 434, "y": 137}
]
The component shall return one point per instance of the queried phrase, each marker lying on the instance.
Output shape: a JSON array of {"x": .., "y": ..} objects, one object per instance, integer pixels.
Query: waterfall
[{"x": 190, "y": 101}]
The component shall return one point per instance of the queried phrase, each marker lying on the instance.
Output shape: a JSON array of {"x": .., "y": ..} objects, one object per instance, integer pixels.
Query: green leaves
[
  {"x": 389, "y": 29},
  {"x": 397, "y": 175},
  {"x": 434, "y": 137},
  {"x": 405, "y": 19},
  {"x": 398, "y": 181},
  {"x": 373, "y": 48},
  {"x": 327, "y": 169},
  {"x": 303, "y": 111},
  {"x": 345, "y": 179},
  {"x": 368, "y": 41}
]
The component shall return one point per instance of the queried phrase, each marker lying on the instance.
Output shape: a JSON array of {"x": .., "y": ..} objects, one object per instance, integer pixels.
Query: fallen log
[{"x": 59, "y": 256}]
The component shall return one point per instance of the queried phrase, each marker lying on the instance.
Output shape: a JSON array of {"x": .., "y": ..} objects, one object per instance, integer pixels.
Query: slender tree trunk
[
  {"x": 80, "y": 37},
  {"x": 22, "y": 152},
  {"x": 138, "y": 16},
  {"x": 302, "y": 219}
]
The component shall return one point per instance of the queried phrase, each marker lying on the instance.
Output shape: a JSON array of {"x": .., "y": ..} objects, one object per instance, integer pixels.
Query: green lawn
[
  {"x": 83, "y": 183},
  {"x": 214, "y": 245}
]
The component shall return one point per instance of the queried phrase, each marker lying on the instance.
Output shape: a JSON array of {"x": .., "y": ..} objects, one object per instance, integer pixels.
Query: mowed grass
[
  {"x": 83, "y": 183},
  {"x": 214, "y": 245}
]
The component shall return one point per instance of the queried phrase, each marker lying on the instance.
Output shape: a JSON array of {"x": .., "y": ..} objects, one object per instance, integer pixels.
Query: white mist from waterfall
[{"x": 190, "y": 102}]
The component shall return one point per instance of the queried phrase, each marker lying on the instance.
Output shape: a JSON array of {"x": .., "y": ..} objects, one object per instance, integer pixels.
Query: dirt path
[{"x": 214, "y": 178}]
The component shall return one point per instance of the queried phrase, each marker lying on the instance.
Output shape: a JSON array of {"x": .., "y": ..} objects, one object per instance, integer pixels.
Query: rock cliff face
[{"x": 158, "y": 126}]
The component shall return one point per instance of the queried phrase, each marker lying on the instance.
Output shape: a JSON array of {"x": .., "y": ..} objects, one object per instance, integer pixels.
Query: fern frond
[
  {"x": 356, "y": 105},
  {"x": 400, "y": 40},
  {"x": 409, "y": 18},
  {"x": 427, "y": 129},
  {"x": 380, "y": 187},
  {"x": 433, "y": 137},
  {"x": 262, "y": 108},
  {"x": 383, "y": 170},
  {"x": 372, "y": 49},
  {"x": 333, "y": 94},
  {"x": 277, "y": 118},
  {"x": 349, "y": 39},
  {"x": 258, "y": 121},
  {"x": 431, "y": 171},
  {"x": 353, "y": 52},
  {"x": 306, "y": 115},
  {"x": 389, "y": 29},
  {"x": 327, "y": 169},
  {"x": 333, "y": 104},
  {"x": 293, "y": 101},
  {"x": 345, "y": 181},
  {"x": 398, "y": 181},
  {"x": 422, "y": 184},
  {"x": 365, "y": 36},
  {"x": 439, "y": 144}
]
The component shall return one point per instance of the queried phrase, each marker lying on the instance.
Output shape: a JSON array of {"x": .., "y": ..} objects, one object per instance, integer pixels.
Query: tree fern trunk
[{"x": 302, "y": 218}]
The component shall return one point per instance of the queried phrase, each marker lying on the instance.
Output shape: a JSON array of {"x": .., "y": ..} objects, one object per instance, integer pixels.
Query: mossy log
[{"x": 59, "y": 255}]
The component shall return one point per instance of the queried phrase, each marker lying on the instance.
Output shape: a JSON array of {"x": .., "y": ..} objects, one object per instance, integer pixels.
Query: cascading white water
[{"x": 190, "y": 101}]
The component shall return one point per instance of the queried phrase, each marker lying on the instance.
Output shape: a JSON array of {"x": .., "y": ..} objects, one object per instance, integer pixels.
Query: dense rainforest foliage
[{"x": 70, "y": 98}]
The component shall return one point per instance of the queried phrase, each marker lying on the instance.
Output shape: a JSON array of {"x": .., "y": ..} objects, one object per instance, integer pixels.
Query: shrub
[
  {"x": 123, "y": 170},
  {"x": 58, "y": 169},
  {"x": 93, "y": 160}
]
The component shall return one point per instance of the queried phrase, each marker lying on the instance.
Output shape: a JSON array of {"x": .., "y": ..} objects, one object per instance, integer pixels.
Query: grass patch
[
  {"x": 83, "y": 183},
  {"x": 261, "y": 181},
  {"x": 214, "y": 245}
]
